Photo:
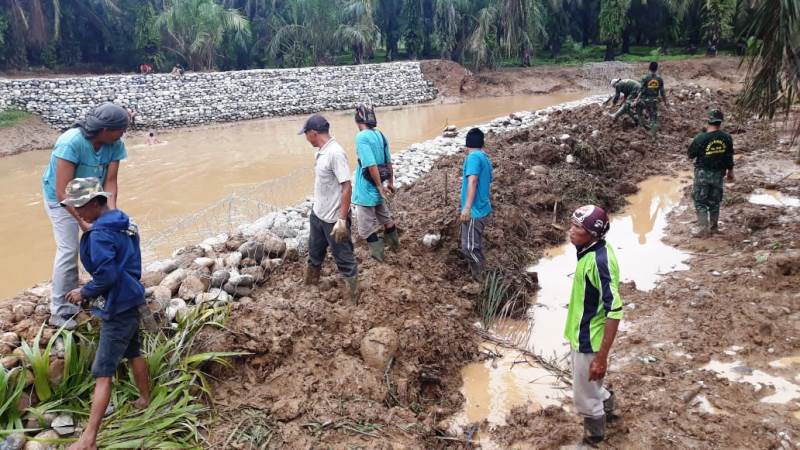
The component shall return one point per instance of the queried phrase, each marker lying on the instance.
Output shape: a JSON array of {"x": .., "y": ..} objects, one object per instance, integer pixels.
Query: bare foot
[
  {"x": 141, "y": 403},
  {"x": 83, "y": 444}
]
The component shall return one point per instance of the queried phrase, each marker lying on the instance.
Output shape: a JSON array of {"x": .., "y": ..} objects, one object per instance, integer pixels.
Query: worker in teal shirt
[
  {"x": 476, "y": 205},
  {"x": 92, "y": 148}
]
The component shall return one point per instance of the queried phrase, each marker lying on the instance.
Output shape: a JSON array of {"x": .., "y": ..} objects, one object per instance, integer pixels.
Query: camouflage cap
[
  {"x": 81, "y": 191},
  {"x": 715, "y": 116}
]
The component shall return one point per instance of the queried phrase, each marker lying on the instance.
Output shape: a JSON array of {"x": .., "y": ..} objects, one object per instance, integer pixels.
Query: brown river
[{"x": 203, "y": 181}]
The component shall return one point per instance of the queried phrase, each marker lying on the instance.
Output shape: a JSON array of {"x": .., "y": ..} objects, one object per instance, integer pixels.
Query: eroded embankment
[{"x": 307, "y": 382}]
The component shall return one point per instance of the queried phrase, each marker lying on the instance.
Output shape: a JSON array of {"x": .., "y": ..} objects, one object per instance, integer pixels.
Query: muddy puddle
[
  {"x": 203, "y": 181},
  {"x": 495, "y": 386}
]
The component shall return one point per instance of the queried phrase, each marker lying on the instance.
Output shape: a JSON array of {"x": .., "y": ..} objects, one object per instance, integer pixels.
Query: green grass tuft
[{"x": 11, "y": 117}]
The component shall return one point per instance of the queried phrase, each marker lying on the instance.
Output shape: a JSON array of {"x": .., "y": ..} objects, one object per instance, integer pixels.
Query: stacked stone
[{"x": 164, "y": 100}]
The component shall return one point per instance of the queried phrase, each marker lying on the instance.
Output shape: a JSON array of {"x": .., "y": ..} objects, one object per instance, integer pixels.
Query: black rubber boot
[
  {"x": 713, "y": 222},
  {"x": 594, "y": 430},
  {"x": 350, "y": 289},
  {"x": 312, "y": 275},
  {"x": 608, "y": 406}
]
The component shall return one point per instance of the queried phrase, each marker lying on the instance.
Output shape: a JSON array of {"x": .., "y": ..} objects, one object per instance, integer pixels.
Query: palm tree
[
  {"x": 196, "y": 28},
  {"x": 773, "y": 59},
  {"x": 613, "y": 20},
  {"x": 522, "y": 24},
  {"x": 358, "y": 30},
  {"x": 482, "y": 43},
  {"x": 305, "y": 31}
]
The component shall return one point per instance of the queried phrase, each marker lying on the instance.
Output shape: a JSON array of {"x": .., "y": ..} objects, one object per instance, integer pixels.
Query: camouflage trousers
[
  {"x": 651, "y": 106},
  {"x": 634, "y": 112},
  {"x": 707, "y": 191}
]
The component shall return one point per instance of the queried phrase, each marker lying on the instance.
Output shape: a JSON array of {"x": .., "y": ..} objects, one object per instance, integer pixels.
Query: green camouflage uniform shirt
[{"x": 713, "y": 156}]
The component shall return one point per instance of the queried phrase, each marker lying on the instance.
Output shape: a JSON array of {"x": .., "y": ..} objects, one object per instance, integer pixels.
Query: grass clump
[
  {"x": 179, "y": 386},
  {"x": 498, "y": 300},
  {"x": 11, "y": 117}
]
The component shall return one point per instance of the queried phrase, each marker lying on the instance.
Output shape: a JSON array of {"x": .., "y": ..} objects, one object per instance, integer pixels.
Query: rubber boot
[
  {"x": 393, "y": 239},
  {"x": 350, "y": 289},
  {"x": 701, "y": 230},
  {"x": 594, "y": 430},
  {"x": 376, "y": 249},
  {"x": 609, "y": 405},
  {"x": 312, "y": 275},
  {"x": 713, "y": 225}
]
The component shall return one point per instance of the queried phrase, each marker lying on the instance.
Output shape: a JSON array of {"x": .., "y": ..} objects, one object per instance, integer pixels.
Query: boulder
[
  {"x": 8, "y": 342},
  {"x": 212, "y": 296},
  {"x": 173, "y": 280},
  {"x": 237, "y": 290},
  {"x": 176, "y": 309},
  {"x": 254, "y": 250},
  {"x": 55, "y": 372},
  {"x": 270, "y": 264},
  {"x": 23, "y": 310},
  {"x": 204, "y": 262},
  {"x": 13, "y": 442},
  {"x": 233, "y": 259},
  {"x": 257, "y": 272},
  {"x": 150, "y": 279},
  {"x": 191, "y": 286},
  {"x": 41, "y": 443},
  {"x": 162, "y": 294},
  {"x": 219, "y": 278},
  {"x": 9, "y": 362},
  {"x": 63, "y": 424},
  {"x": 378, "y": 347},
  {"x": 274, "y": 246},
  {"x": 166, "y": 266}
]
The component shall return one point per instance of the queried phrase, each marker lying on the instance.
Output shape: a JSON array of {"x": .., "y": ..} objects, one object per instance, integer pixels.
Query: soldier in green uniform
[
  {"x": 712, "y": 151},
  {"x": 629, "y": 89},
  {"x": 652, "y": 86}
]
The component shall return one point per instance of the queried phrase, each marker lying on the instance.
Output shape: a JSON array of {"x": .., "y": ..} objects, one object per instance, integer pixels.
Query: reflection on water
[
  {"x": 162, "y": 186},
  {"x": 636, "y": 235},
  {"x": 770, "y": 197}
]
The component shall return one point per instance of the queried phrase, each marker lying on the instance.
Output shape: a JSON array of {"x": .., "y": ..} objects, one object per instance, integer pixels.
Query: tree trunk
[
  {"x": 626, "y": 42},
  {"x": 525, "y": 56},
  {"x": 609, "y": 56},
  {"x": 555, "y": 46}
]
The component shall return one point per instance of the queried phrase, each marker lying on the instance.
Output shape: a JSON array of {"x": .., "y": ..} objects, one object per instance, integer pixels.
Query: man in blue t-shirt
[
  {"x": 92, "y": 148},
  {"x": 369, "y": 193},
  {"x": 476, "y": 206}
]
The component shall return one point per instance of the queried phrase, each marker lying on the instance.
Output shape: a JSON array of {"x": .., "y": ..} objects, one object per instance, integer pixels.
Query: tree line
[{"x": 241, "y": 34}]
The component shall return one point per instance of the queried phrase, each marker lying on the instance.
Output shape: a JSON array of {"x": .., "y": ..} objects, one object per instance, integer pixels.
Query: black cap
[
  {"x": 715, "y": 117},
  {"x": 653, "y": 66},
  {"x": 316, "y": 123},
  {"x": 475, "y": 138}
]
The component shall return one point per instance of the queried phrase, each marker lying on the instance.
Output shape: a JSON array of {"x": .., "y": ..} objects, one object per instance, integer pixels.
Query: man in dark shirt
[{"x": 712, "y": 152}]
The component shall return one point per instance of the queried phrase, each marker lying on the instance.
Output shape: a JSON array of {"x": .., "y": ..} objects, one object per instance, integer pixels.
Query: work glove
[{"x": 340, "y": 230}]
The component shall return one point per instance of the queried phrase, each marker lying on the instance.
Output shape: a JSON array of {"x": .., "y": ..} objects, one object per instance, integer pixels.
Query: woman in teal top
[{"x": 92, "y": 148}]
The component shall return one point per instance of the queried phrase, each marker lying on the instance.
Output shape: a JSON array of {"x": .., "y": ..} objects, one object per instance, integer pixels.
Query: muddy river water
[{"x": 204, "y": 181}]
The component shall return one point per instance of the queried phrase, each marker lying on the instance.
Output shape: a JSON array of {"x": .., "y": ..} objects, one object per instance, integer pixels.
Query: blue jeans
[
  {"x": 119, "y": 337},
  {"x": 65, "y": 265},
  {"x": 320, "y": 239}
]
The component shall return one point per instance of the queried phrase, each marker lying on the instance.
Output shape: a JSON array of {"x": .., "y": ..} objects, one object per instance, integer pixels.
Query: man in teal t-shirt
[
  {"x": 90, "y": 149},
  {"x": 595, "y": 309},
  {"x": 369, "y": 193},
  {"x": 476, "y": 206}
]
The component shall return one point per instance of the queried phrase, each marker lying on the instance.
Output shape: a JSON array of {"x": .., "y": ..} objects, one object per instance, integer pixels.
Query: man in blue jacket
[{"x": 109, "y": 251}]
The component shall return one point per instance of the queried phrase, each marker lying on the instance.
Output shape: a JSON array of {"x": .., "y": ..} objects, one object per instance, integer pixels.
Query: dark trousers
[
  {"x": 320, "y": 239},
  {"x": 472, "y": 245}
]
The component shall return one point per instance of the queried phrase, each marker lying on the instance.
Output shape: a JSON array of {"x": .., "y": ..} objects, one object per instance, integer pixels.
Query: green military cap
[
  {"x": 81, "y": 191},
  {"x": 715, "y": 116}
]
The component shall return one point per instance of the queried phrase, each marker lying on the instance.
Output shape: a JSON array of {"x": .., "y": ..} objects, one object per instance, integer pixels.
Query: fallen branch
[{"x": 562, "y": 374}]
